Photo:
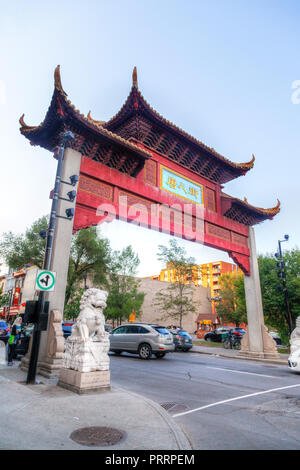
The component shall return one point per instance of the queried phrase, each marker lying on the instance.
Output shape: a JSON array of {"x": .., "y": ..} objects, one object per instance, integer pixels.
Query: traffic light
[
  {"x": 281, "y": 269},
  {"x": 71, "y": 195},
  {"x": 32, "y": 315},
  {"x": 70, "y": 212}
]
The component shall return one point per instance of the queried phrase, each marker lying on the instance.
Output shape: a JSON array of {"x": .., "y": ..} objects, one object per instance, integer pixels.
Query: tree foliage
[
  {"x": 4, "y": 298},
  {"x": 272, "y": 292},
  {"x": 176, "y": 300},
  {"x": 89, "y": 255},
  {"x": 72, "y": 308},
  {"x": 27, "y": 248},
  {"x": 124, "y": 296},
  {"x": 231, "y": 308}
]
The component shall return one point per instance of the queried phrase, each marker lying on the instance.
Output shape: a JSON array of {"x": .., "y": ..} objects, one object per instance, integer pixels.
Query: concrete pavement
[{"x": 43, "y": 416}]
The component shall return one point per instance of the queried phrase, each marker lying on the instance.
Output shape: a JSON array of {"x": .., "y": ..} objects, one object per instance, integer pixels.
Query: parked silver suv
[{"x": 144, "y": 339}]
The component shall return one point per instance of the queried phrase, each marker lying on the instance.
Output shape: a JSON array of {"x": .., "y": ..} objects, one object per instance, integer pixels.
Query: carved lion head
[{"x": 93, "y": 298}]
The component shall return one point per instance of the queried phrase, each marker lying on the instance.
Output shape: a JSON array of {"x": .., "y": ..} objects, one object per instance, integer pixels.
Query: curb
[
  {"x": 182, "y": 439},
  {"x": 268, "y": 361}
]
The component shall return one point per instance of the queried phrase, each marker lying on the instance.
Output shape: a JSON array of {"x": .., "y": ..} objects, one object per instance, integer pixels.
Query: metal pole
[
  {"x": 47, "y": 259},
  {"x": 289, "y": 316}
]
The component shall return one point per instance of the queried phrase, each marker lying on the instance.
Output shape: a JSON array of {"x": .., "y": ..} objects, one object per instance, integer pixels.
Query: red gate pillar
[{"x": 256, "y": 342}]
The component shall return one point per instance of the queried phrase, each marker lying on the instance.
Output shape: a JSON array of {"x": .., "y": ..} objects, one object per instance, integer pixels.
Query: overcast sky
[{"x": 223, "y": 70}]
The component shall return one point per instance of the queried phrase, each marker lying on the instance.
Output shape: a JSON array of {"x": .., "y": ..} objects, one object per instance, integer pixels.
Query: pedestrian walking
[{"x": 14, "y": 338}]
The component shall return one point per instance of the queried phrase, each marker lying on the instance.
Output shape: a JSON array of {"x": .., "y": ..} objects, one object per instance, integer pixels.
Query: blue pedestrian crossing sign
[{"x": 45, "y": 280}]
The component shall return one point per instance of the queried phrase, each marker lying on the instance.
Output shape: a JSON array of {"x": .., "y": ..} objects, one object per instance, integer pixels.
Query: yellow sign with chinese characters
[{"x": 181, "y": 186}]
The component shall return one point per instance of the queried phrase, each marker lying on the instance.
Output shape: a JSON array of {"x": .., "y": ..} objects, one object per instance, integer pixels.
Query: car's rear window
[
  {"x": 161, "y": 330},
  {"x": 184, "y": 333}
]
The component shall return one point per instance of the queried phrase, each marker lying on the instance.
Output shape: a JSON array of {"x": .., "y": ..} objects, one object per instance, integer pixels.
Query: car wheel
[
  {"x": 185, "y": 349},
  {"x": 160, "y": 355},
  {"x": 145, "y": 351},
  {"x": 206, "y": 339}
]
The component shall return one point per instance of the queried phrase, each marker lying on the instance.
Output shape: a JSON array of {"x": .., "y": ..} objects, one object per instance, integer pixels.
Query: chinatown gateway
[{"x": 141, "y": 168}]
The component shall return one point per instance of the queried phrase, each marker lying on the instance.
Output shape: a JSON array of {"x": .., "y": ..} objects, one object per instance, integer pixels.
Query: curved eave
[
  {"x": 125, "y": 112},
  {"x": 259, "y": 211},
  {"x": 61, "y": 107}
]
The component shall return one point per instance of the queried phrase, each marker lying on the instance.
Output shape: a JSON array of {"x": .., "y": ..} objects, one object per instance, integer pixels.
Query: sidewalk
[
  {"x": 43, "y": 416},
  {"x": 233, "y": 353}
]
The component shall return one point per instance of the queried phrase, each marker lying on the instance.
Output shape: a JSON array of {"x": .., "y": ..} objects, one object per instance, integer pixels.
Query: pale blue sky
[{"x": 220, "y": 69}]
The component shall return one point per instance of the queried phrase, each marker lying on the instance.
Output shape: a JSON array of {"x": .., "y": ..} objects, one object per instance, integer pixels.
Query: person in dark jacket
[{"x": 13, "y": 340}]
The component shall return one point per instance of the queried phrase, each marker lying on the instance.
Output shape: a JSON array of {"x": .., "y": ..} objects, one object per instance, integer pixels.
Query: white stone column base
[
  {"x": 269, "y": 347},
  {"x": 259, "y": 355}
]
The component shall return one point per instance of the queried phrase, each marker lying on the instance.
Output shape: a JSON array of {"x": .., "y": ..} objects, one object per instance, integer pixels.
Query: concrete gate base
[
  {"x": 259, "y": 355},
  {"x": 269, "y": 348}
]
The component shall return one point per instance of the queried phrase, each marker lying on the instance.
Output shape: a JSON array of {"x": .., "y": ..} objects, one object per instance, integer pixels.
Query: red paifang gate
[{"x": 141, "y": 158}]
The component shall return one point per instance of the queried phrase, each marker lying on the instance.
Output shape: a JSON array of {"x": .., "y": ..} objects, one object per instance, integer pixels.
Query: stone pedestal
[
  {"x": 3, "y": 359},
  {"x": 86, "y": 355},
  {"x": 84, "y": 382},
  {"x": 85, "y": 365},
  {"x": 269, "y": 347},
  {"x": 55, "y": 346}
]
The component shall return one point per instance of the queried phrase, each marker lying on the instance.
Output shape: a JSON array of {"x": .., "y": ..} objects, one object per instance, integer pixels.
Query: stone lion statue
[
  {"x": 295, "y": 337},
  {"x": 90, "y": 321}
]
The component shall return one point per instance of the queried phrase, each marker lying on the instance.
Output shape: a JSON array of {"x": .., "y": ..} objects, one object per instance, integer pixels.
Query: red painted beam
[{"x": 107, "y": 187}]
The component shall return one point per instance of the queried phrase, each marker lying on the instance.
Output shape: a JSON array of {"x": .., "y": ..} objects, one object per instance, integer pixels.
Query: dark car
[
  {"x": 217, "y": 334},
  {"x": 67, "y": 328},
  {"x": 276, "y": 337},
  {"x": 182, "y": 340},
  {"x": 4, "y": 331}
]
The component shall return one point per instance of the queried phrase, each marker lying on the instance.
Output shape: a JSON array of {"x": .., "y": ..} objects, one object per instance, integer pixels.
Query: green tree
[
  {"x": 124, "y": 295},
  {"x": 4, "y": 298},
  {"x": 27, "y": 248},
  {"x": 176, "y": 300},
  {"x": 231, "y": 308},
  {"x": 72, "y": 308},
  {"x": 89, "y": 255},
  {"x": 272, "y": 293}
]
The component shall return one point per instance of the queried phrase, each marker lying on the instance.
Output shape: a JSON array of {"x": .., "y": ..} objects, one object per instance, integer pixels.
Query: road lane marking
[
  {"x": 242, "y": 372},
  {"x": 234, "y": 399}
]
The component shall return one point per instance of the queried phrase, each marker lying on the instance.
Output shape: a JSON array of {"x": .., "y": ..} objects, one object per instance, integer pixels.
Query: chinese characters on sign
[{"x": 182, "y": 187}]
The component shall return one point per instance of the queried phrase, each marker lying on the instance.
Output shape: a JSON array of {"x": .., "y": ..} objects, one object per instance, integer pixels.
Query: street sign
[{"x": 45, "y": 280}]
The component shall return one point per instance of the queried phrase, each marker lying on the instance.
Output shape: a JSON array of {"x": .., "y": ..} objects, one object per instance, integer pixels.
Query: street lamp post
[{"x": 281, "y": 274}]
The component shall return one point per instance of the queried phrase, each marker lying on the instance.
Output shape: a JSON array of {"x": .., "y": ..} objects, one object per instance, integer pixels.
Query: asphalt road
[{"x": 195, "y": 386}]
